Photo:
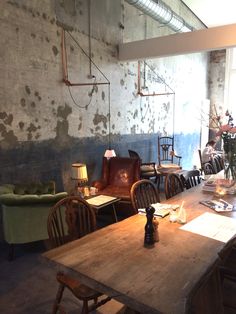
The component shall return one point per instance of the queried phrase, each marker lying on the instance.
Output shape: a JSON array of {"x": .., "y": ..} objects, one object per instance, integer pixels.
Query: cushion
[
  {"x": 35, "y": 188},
  {"x": 6, "y": 188},
  {"x": 147, "y": 168},
  {"x": 16, "y": 199},
  {"x": 48, "y": 188},
  {"x": 121, "y": 192},
  {"x": 47, "y": 198},
  {"x": 170, "y": 166},
  {"x": 22, "y": 189}
]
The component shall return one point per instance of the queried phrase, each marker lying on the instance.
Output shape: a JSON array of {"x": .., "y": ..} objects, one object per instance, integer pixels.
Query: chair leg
[
  {"x": 158, "y": 181},
  {"x": 58, "y": 298},
  {"x": 114, "y": 213},
  {"x": 61, "y": 310},
  {"x": 85, "y": 309},
  {"x": 11, "y": 252}
]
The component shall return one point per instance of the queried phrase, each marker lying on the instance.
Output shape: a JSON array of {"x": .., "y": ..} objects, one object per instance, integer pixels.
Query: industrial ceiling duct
[{"x": 162, "y": 13}]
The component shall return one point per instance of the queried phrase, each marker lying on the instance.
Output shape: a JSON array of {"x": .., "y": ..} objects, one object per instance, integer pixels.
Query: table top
[{"x": 154, "y": 280}]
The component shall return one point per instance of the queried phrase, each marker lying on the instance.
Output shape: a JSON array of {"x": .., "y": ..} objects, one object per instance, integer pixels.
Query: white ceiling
[{"x": 214, "y": 12}]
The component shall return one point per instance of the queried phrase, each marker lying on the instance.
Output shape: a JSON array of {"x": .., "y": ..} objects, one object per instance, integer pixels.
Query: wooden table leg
[{"x": 114, "y": 213}]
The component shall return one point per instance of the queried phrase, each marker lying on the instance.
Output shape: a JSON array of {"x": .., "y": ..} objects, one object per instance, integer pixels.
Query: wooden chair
[
  {"x": 166, "y": 153},
  {"x": 148, "y": 169},
  {"x": 227, "y": 271},
  {"x": 200, "y": 158},
  {"x": 191, "y": 178},
  {"x": 207, "y": 168},
  {"x": 143, "y": 193},
  {"x": 173, "y": 185},
  {"x": 221, "y": 161},
  {"x": 217, "y": 163},
  {"x": 118, "y": 175},
  {"x": 70, "y": 219}
]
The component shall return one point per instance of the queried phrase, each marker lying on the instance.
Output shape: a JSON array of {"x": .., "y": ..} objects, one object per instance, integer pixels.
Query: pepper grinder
[{"x": 149, "y": 228}]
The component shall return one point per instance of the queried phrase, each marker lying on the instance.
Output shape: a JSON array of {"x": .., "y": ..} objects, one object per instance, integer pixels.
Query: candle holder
[{"x": 220, "y": 191}]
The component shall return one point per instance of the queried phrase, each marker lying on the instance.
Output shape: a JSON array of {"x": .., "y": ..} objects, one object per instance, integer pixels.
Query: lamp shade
[
  {"x": 110, "y": 153},
  {"x": 79, "y": 172}
]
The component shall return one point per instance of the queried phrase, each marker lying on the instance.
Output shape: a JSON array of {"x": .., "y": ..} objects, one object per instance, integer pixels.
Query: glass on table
[
  {"x": 173, "y": 215},
  {"x": 220, "y": 191},
  {"x": 93, "y": 190}
]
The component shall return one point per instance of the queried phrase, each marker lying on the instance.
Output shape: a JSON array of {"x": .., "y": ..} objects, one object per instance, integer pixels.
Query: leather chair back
[{"x": 121, "y": 171}]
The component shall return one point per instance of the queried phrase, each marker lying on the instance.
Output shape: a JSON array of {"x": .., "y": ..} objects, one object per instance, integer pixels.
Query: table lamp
[{"x": 79, "y": 173}]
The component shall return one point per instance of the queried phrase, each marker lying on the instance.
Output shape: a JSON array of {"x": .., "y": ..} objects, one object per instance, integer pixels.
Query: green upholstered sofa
[{"x": 25, "y": 210}]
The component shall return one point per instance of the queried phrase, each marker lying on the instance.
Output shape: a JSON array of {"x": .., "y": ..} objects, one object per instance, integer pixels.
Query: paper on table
[
  {"x": 164, "y": 206},
  {"x": 218, "y": 206},
  {"x": 161, "y": 210},
  {"x": 212, "y": 226},
  {"x": 100, "y": 200}
]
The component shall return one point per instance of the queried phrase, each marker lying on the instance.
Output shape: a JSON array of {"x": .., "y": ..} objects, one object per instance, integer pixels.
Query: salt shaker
[{"x": 156, "y": 232}]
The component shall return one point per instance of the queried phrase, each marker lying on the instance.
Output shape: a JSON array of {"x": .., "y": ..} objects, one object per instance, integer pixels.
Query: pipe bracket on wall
[
  {"x": 65, "y": 67},
  {"x": 140, "y": 89}
]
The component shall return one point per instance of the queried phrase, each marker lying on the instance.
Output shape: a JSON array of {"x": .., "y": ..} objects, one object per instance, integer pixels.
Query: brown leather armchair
[{"x": 118, "y": 175}]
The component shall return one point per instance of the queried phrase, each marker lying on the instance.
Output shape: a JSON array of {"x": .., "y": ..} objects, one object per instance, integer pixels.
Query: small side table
[{"x": 100, "y": 201}]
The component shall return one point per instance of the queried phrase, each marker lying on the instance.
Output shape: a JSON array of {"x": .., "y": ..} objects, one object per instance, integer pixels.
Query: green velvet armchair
[{"x": 25, "y": 210}]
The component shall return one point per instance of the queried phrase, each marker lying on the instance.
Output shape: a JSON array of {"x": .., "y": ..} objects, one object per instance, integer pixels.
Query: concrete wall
[
  {"x": 217, "y": 79},
  {"x": 45, "y": 125}
]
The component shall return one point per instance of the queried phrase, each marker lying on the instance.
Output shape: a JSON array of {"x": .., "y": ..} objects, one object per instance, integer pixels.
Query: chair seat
[
  {"x": 81, "y": 291},
  {"x": 148, "y": 174},
  {"x": 120, "y": 192},
  {"x": 147, "y": 168},
  {"x": 172, "y": 166},
  {"x": 164, "y": 169}
]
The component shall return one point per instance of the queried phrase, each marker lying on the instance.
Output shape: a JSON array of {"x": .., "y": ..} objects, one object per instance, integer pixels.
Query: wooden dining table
[{"x": 179, "y": 274}]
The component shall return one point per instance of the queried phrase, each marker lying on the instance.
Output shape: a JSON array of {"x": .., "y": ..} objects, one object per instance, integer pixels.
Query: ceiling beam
[{"x": 215, "y": 38}]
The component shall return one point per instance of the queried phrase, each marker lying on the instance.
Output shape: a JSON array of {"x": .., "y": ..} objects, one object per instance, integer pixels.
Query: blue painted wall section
[{"x": 45, "y": 161}]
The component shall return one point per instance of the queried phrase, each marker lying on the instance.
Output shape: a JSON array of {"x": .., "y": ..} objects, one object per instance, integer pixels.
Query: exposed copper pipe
[
  {"x": 153, "y": 94},
  {"x": 68, "y": 83},
  {"x": 65, "y": 67},
  {"x": 139, "y": 73},
  {"x": 64, "y": 56}
]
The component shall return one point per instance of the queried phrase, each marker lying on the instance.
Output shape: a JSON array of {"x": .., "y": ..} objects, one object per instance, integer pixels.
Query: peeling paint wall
[
  {"x": 217, "y": 86},
  {"x": 46, "y": 125}
]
